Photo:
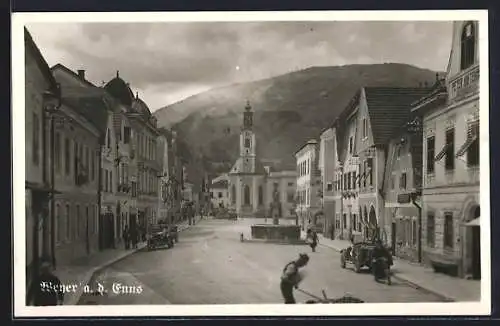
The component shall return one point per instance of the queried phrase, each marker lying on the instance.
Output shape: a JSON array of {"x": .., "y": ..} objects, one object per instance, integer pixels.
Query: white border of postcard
[{"x": 19, "y": 20}]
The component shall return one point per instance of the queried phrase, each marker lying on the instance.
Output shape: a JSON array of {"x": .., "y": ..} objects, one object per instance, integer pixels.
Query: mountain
[{"x": 289, "y": 110}]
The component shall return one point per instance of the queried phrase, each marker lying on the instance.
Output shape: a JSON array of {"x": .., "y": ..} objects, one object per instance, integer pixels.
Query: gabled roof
[
  {"x": 221, "y": 184},
  {"x": 389, "y": 108},
  {"x": 69, "y": 71},
  {"x": 92, "y": 108},
  {"x": 30, "y": 46}
]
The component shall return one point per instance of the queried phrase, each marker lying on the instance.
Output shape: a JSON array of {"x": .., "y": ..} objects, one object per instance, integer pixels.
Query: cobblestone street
[{"x": 210, "y": 265}]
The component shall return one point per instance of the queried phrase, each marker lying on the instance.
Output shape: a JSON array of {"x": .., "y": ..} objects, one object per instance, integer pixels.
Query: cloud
[{"x": 166, "y": 62}]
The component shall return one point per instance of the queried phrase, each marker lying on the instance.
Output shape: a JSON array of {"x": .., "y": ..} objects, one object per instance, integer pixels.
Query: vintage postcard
[{"x": 237, "y": 163}]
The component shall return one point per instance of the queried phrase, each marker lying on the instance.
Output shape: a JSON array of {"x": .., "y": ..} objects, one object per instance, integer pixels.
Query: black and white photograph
[{"x": 239, "y": 163}]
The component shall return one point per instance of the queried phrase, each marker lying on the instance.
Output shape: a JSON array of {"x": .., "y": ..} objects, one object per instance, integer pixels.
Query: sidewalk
[
  {"x": 81, "y": 270},
  {"x": 424, "y": 278}
]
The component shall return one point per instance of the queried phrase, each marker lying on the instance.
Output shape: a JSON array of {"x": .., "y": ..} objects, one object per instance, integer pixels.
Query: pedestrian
[
  {"x": 47, "y": 288},
  {"x": 133, "y": 236},
  {"x": 126, "y": 237},
  {"x": 314, "y": 240},
  {"x": 291, "y": 277}
]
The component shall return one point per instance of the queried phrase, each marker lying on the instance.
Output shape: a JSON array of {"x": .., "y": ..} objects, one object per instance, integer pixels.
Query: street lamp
[{"x": 52, "y": 103}]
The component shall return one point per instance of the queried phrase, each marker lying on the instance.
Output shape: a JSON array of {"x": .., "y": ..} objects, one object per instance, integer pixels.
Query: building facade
[
  {"x": 308, "y": 184},
  {"x": 402, "y": 189},
  {"x": 219, "y": 194},
  {"x": 40, "y": 85},
  {"x": 451, "y": 198},
  {"x": 284, "y": 184},
  {"x": 327, "y": 165}
]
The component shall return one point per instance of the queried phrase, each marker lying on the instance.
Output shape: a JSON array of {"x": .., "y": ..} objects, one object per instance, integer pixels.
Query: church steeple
[{"x": 248, "y": 117}]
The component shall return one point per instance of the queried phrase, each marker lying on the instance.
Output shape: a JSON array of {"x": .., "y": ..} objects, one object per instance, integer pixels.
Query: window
[
  {"x": 261, "y": 195},
  {"x": 450, "y": 149},
  {"x": 233, "y": 194},
  {"x": 365, "y": 129},
  {"x": 351, "y": 145},
  {"x": 126, "y": 135},
  {"x": 431, "y": 144},
  {"x": 76, "y": 224},
  {"x": 57, "y": 151},
  {"x": 393, "y": 182},
  {"x": 448, "y": 231},
  {"x": 247, "y": 194},
  {"x": 473, "y": 150},
  {"x": 36, "y": 139},
  {"x": 108, "y": 139},
  {"x": 68, "y": 223},
  {"x": 354, "y": 180},
  {"x": 106, "y": 182},
  {"x": 290, "y": 196},
  {"x": 431, "y": 225},
  {"x": 220, "y": 194},
  {"x": 344, "y": 221},
  {"x": 467, "y": 46},
  {"x": 58, "y": 225},
  {"x": 369, "y": 162},
  {"x": 414, "y": 229},
  {"x": 67, "y": 156},
  {"x": 402, "y": 181},
  {"x": 290, "y": 184},
  {"x": 247, "y": 142},
  {"x": 354, "y": 221},
  {"x": 398, "y": 152},
  {"x": 110, "y": 181},
  {"x": 329, "y": 186},
  {"x": 92, "y": 165}
]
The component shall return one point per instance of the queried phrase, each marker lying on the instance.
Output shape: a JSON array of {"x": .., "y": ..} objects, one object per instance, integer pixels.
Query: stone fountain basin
[{"x": 276, "y": 232}]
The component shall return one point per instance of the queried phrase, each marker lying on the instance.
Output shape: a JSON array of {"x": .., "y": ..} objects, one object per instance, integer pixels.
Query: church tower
[{"x": 247, "y": 141}]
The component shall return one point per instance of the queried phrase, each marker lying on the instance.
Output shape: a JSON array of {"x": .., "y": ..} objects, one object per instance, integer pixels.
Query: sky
[{"x": 166, "y": 62}]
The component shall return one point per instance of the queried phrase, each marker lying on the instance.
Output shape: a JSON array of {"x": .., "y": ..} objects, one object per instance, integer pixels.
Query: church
[{"x": 255, "y": 190}]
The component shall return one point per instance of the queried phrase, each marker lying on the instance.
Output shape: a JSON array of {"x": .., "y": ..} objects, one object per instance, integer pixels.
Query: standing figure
[
  {"x": 313, "y": 239},
  {"x": 47, "y": 288},
  {"x": 291, "y": 278},
  {"x": 133, "y": 236}
]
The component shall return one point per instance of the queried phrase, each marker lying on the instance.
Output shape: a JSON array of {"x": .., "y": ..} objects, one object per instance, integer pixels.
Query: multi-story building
[
  {"x": 308, "y": 183},
  {"x": 327, "y": 166},
  {"x": 451, "y": 199},
  {"x": 41, "y": 95},
  {"x": 363, "y": 131},
  {"x": 402, "y": 191},
  {"x": 79, "y": 129}
]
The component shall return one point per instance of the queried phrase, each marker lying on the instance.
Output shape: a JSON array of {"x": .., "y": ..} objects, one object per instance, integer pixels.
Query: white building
[
  {"x": 219, "y": 194},
  {"x": 451, "y": 199},
  {"x": 308, "y": 183}
]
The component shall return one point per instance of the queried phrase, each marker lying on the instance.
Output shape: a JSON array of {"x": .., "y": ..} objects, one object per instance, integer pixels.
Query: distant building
[
  {"x": 451, "y": 189},
  {"x": 308, "y": 184},
  {"x": 219, "y": 194},
  {"x": 251, "y": 184},
  {"x": 327, "y": 166}
]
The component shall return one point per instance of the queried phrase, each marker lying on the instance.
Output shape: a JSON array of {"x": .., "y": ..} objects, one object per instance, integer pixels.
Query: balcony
[{"x": 464, "y": 84}]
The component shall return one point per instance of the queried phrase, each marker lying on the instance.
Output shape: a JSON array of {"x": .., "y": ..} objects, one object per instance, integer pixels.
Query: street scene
[
  {"x": 252, "y": 163},
  {"x": 211, "y": 266}
]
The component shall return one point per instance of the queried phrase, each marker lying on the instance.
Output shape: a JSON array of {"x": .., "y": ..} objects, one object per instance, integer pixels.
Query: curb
[
  {"x": 414, "y": 285},
  {"x": 89, "y": 275}
]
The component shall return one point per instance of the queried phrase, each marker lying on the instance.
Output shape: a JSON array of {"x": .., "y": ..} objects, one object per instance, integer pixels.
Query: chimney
[{"x": 81, "y": 74}]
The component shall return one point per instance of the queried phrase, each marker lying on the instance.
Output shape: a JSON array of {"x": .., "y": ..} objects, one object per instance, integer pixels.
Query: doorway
[{"x": 476, "y": 247}]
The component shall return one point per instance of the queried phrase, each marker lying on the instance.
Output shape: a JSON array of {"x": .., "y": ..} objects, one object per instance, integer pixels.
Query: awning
[
  {"x": 474, "y": 222},
  {"x": 441, "y": 154},
  {"x": 466, "y": 146}
]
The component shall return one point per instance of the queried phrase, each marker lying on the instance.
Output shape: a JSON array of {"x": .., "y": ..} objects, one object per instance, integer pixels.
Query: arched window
[
  {"x": 468, "y": 44},
  {"x": 233, "y": 194},
  {"x": 247, "y": 195},
  {"x": 261, "y": 195}
]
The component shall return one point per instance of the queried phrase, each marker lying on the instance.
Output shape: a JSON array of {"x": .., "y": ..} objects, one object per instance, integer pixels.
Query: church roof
[{"x": 238, "y": 167}]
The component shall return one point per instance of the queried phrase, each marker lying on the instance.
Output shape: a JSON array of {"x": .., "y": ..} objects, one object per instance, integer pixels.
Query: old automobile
[
  {"x": 159, "y": 236},
  {"x": 358, "y": 254}
]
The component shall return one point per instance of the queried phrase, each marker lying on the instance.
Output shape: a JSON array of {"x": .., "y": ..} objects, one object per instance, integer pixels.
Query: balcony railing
[{"x": 464, "y": 84}]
